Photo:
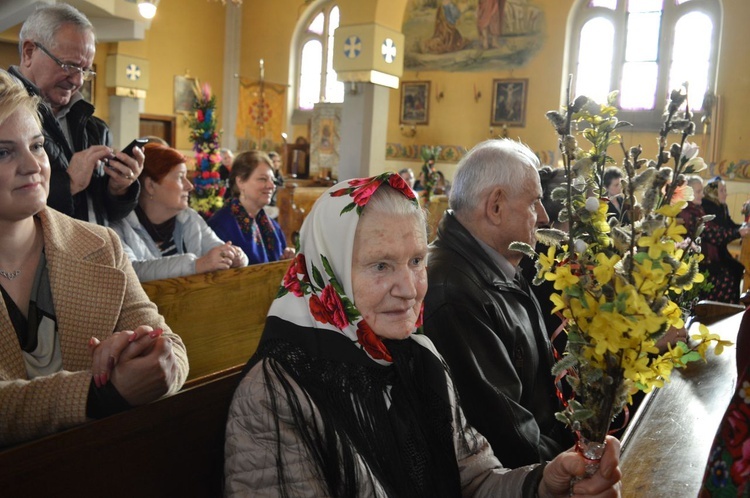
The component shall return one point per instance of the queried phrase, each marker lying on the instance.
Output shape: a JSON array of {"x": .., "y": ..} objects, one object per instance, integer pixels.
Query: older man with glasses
[{"x": 89, "y": 181}]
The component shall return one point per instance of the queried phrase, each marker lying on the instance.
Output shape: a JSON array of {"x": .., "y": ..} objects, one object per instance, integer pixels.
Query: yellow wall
[
  {"x": 185, "y": 36},
  {"x": 189, "y": 35}
]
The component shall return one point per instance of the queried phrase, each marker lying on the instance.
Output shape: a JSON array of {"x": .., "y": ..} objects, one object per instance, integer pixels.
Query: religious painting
[
  {"x": 415, "y": 103},
  {"x": 471, "y": 35},
  {"x": 184, "y": 95},
  {"x": 88, "y": 88},
  {"x": 509, "y": 102}
]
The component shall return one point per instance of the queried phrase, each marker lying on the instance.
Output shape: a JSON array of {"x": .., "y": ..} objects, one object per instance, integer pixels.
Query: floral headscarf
[{"x": 317, "y": 289}]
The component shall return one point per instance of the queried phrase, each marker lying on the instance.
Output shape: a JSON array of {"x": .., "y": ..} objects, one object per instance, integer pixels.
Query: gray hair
[
  {"x": 693, "y": 179},
  {"x": 44, "y": 23},
  {"x": 492, "y": 163},
  {"x": 388, "y": 200}
]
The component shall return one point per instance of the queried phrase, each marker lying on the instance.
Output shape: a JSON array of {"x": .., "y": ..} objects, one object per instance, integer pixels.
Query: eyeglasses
[{"x": 86, "y": 74}]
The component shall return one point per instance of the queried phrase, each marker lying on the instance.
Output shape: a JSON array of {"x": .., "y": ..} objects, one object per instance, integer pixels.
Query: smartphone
[{"x": 138, "y": 142}]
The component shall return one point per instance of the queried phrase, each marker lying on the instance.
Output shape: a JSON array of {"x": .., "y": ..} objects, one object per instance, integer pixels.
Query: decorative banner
[{"x": 260, "y": 112}]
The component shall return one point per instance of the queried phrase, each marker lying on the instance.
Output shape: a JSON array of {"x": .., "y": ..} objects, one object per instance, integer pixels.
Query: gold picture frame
[
  {"x": 184, "y": 95},
  {"x": 415, "y": 103},
  {"x": 509, "y": 102}
]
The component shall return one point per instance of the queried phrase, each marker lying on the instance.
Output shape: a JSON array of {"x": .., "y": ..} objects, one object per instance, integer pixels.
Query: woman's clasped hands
[
  {"x": 220, "y": 258},
  {"x": 139, "y": 363}
]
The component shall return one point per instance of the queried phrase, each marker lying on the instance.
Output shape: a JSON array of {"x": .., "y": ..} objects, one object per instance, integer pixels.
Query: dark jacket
[
  {"x": 490, "y": 331},
  {"x": 85, "y": 130}
]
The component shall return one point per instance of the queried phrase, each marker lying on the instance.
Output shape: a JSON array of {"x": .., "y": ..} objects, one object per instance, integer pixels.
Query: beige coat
[
  {"x": 95, "y": 293},
  {"x": 250, "y": 448}
]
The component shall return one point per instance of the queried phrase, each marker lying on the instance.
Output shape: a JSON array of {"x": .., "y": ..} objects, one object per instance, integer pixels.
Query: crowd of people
[{"x": 342, "y": 397}]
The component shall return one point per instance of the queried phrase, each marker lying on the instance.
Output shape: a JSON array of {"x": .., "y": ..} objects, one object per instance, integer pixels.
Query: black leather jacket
[
  {"x": 86, "y": 130},
  {"x": 490, "y": 332}
]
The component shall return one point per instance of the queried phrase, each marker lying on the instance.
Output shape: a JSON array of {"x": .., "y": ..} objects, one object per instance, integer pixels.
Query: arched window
[
  {"x": 644, "y": 49},
  {"x": 316, "y": 77}
]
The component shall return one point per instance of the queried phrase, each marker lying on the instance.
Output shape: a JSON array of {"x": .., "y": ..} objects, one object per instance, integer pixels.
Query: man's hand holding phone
[{"x": 125, "y": 166}]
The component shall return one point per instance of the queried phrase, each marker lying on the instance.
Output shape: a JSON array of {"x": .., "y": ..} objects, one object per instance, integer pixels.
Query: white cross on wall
[
  {"x": 132, "y": 72},
  {"x": 388, "y": 49}
]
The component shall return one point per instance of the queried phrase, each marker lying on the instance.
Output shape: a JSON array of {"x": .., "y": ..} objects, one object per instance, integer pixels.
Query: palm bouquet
[{"x": 614, "y": 276}]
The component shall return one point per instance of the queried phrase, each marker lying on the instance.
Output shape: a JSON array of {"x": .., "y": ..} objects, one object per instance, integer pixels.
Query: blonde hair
[{"x": 13, "y": 96}]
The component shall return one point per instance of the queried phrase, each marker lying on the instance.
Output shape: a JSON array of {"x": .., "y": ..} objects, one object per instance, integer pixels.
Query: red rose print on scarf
[
  {"x": 741, "y": 467},
  {"x": 398, "y": 183},
  {"x": 735, "y": 429},
  {"x": 292, "y": 282},
  {"x": 362, "y": 195},
  {"x": 362, "y": 189},
  {"x": 371, "y": 342},
  {"x": 335, "y": 308},
  {"x": 318, "y": 310},
  {"x": 420, "y": 319}
]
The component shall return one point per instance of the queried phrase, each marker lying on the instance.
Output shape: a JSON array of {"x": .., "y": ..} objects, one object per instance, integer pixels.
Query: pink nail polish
[
  {"x": 155, "y": 333},
  {"x": 96, "y": 380},
  {"x": 133, "y": 337}
]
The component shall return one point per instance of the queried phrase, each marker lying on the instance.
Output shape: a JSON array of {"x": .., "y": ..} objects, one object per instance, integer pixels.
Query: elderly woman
[
  {"x": 725, "y": 271},
  {"x": 243, "y": 220},
  {"x": 342, "y": 398},
  {"x": 79, "y": 338},
  {"x": 165, "y": 238}
]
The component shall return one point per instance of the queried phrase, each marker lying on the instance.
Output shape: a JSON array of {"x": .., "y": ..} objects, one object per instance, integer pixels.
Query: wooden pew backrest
[
  {"x": 294, "y": 204},
  {"x": 219, "y": 315},
  {"x": 172, "y": 447}
]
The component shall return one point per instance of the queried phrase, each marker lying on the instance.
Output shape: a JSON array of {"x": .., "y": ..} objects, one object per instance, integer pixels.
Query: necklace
[{"x": 10, "y": 275}]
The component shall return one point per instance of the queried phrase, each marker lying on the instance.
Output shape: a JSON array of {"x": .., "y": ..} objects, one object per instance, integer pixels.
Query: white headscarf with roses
[{"x": 317, "y": 289}]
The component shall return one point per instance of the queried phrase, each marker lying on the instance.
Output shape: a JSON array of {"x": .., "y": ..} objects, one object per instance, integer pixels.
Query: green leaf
[
  {"x": 348, "y": 208},
  {"x": 691, "y": 356},
  {"x": 317, "y": 277}
]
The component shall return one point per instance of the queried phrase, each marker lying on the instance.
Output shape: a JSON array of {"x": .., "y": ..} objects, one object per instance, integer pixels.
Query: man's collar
[{"x": 505, "y": 266}]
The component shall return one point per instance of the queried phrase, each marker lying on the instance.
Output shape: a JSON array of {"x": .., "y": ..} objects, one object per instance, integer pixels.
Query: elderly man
[
  {"x": 89, "y": 180},
  {"x": 480, "y": 312}
]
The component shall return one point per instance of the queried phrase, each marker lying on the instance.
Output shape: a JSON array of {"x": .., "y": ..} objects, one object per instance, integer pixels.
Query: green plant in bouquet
[{"x": 614, "y": 279}]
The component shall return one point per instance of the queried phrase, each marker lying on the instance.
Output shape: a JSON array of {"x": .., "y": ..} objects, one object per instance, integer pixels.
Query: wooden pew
[
  {"x": 294, "y": 202},
  {"x": 172, "y": 447},
  {"x": 219, "y": 315},
  {"x": 435, "y": 210},
  {"x": 666, "y": 445}
]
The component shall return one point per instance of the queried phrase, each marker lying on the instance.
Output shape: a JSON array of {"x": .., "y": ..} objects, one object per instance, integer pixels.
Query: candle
[{"x": 262, "y": 70}]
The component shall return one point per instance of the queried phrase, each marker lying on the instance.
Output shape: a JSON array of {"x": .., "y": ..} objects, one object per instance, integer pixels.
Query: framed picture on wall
[
  {"x": 415, "y": 103},
  {"x": 509, "y": 102},
  {"x": 88, "y": 87},
  {"x": 184, "y": 96}
]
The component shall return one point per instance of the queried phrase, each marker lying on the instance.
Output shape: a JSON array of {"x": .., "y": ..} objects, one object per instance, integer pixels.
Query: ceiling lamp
[
  {"x": 224, "y": 2},
  {"x": 147, "y": 9}
]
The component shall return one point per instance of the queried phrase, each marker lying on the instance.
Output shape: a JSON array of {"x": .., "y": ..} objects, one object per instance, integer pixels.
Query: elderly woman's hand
[{"x": 604, "y": 483}]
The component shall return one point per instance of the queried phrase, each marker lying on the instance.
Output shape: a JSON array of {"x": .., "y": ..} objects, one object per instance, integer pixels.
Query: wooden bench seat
[
  {"x": 219, "y": 315},
  {"x": 173, "y": 447}
]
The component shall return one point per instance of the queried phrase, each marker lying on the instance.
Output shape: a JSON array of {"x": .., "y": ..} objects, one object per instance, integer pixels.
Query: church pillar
[
  {"x": 369, "y": 58},
  {"x": 231, "y": 87}
]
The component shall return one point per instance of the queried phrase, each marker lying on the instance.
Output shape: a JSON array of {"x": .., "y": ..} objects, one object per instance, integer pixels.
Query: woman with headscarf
[
  {"x": 243, "y": 220},
  {"x": 725, "y": 272},
  {"x": 342, "y": 398},
  {"x": 163, "y": 236}
]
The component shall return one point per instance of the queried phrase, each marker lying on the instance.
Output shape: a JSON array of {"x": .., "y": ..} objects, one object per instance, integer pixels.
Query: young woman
[{"x": 79, "y": 338}]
